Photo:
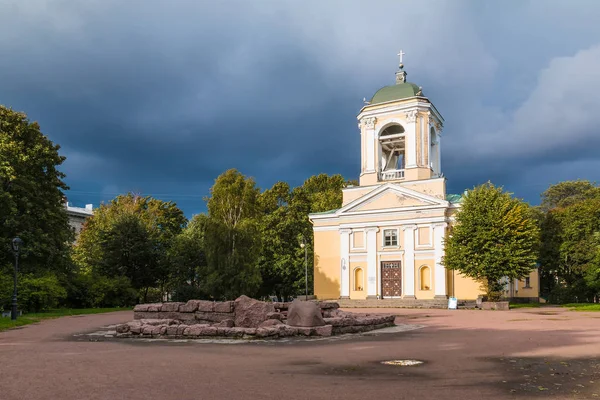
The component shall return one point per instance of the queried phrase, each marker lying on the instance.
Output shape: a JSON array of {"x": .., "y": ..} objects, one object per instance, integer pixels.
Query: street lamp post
[
  {"x": 303, "y": 245},
  {"x": 16, "y": 246}
]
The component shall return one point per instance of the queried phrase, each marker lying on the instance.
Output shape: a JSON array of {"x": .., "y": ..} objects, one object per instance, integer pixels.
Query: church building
[{"x": 387, "y": 239}]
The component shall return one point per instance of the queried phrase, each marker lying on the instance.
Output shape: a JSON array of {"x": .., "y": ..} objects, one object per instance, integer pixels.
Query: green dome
[{"x": 395, "y": 92}]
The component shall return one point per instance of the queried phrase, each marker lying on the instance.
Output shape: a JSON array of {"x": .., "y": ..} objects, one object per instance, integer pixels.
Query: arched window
[
  {"x": 358, "y": 280},
  {"x": 392, "y": 145},
  {"x": 425, "y": 277}
]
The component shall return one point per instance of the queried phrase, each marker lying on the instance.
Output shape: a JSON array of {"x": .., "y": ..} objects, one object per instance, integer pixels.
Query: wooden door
[{"x": 391, "y": 279}]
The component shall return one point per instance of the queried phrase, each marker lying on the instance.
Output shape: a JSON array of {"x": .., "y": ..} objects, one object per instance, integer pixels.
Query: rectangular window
[
  {"x": 390, "y": 237},
  {"x": 527, "y": 282}
]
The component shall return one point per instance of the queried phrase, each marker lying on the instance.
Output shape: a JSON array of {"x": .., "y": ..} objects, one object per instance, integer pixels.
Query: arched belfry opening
[{"x": 393, "y": 153}]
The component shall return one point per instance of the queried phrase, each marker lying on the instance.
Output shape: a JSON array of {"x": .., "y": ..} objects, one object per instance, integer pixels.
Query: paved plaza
[{"x": 466, "y": 354}]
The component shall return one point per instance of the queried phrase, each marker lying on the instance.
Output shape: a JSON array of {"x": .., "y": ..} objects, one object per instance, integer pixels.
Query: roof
[
  {"x": 395, "y": 92},
  {"x": 325, "y": 212},
  {"x": 454, "y": 198}
]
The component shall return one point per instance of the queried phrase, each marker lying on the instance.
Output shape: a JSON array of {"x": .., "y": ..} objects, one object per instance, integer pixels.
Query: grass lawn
[
  {"x": 582, "y": 306},
  {"x": 525, "y": 305},
  {"x": 32, "y": 318}
]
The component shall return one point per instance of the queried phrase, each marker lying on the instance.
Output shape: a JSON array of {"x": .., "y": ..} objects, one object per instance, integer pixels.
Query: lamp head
[{"x": 16, "y": 244}]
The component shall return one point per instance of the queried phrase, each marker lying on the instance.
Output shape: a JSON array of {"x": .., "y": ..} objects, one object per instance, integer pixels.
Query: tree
[
  {"x": 31, "y": 196},
  {"x": 495, "y": 236},
  {"x": 567, "y": 193},
  {"x": 570, "y": 251},
  {"x": 188, "y": 262},
  {"x": 284, "y": 225},
  {"x": 130, "y": 237},
  {"x": 232, "y": 241}
]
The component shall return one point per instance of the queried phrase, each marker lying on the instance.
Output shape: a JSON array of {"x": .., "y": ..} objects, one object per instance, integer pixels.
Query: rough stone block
[
  {"x": 206, "y": 306},
  {"x": 163, "y": 329},
  {"x": 303, "y": 330},
  {"x": 227, "y": 323},
  {"x": 208, "y": 331},
  {"x": 140, "y": 308},
  {"x": 152, "y": 321},
  {"x": 326, "y": 330},
  {"x": 145, "y": 315},
  {"x": 212, "y": 316},
  {"x": 171, "y": 307},
  {"x": 328, "y": 305},
  {"x": 267, "y": 332},
  {"x": 172, "y": 330},
  {"x": 224, "y": 307},
  {"x": 172, "y": 315},
  {"x": 495, "y": 305},
  {"x": 270, "y": 322},
  {"x": 156, "y": 307},
  {"x": 249, "y": 331},
  {"x": 136, "y": 329},
  {"x": 181, "y": 329},
  {"x": 286, "y": 330},
  {"x": 249, "y": 313},
  {"x": 122, "y": 328},
  {"x": 304, "y": 313},
  {"x": 275, "y": 315},
  {"x": 189, "y": 307}
]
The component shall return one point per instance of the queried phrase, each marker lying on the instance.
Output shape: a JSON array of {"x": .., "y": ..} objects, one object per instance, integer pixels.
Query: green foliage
[
  {"x": 130, "y": 237},
  {"x": 495, "y": 236},
  {"x": 231, "y": 239},
  {"x": 187, "y": 258},
  {"x": 583, "y": 306},
  {"x": 567, "y": 193},
  {"x": 570, "y": 250},
  {"x": 31, "y": 196},
  {"x": 35, "y": 293}
]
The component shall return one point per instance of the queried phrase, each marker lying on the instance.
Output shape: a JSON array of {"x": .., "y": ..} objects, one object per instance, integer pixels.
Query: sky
[{"x": 160, "y": 97}]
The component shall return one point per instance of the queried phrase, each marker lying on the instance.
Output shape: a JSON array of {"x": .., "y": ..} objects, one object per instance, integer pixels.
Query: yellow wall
[
  {"x": 464, "y": 288},
  {"x": 327, "y": 264},
  {"x": 358, "y": 240},
  {"x": 534, "y": 283}
]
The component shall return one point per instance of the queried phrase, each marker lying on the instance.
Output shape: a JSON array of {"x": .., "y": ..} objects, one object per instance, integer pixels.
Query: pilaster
[
  {"x": 345, "y": 263},
  {"x": 408, "y": 277},
  {"x": 411, "y": 138},
  {"x": 371, "y": 234},
  {"x": 439, "y": 232}
]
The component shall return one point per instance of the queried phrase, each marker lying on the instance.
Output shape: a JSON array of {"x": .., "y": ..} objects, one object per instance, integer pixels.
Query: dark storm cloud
[{"x": 161, "y": 97}]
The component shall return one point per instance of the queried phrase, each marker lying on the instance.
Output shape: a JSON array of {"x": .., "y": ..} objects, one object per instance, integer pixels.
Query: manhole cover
[{"x": 402, "y": 363}]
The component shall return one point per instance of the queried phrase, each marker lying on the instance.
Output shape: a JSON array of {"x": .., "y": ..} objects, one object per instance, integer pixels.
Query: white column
[
  {"x": 344, "y": 263},
  {"x": 439, "y": 232},
  {"x": 372, "y": 262},
  {"x": 411, "y": 139},
  {"x": 439, "y": 153},
  {"x": 409, "y": 261}
]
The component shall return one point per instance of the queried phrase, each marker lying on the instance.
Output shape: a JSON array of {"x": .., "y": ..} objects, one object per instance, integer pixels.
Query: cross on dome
[{"x": 400, "y": 55}]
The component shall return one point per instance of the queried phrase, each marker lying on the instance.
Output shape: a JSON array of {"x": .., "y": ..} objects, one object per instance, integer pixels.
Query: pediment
[{"x": 392, "y": 197}]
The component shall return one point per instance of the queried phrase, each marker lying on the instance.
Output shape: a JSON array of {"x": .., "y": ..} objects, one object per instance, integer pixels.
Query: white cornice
[{"x": 394, "y": 109}]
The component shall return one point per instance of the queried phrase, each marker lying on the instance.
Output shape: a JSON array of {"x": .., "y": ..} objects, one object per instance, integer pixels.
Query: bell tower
[{"x": 400, "y": 131}]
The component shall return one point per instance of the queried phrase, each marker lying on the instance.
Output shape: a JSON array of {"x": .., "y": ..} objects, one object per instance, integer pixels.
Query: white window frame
[{"x": 392, "y": 246}]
